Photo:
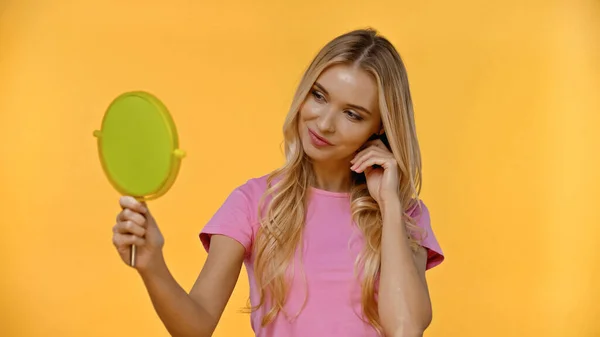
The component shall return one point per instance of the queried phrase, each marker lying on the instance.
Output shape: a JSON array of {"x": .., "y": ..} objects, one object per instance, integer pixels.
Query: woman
[{"x": 336, "y": 242}]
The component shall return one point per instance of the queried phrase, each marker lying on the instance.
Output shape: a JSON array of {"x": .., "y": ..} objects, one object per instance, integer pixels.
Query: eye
[
  {"x": 318, "y": 96},
  {"x": 352, "y": 115}
]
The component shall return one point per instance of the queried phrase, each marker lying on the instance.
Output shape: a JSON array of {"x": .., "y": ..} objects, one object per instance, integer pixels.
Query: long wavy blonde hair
[{"x": 282, "y": 221}]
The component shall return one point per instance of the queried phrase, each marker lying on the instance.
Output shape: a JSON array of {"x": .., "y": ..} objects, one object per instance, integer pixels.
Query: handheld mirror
[{"x": 138, "y": 147}]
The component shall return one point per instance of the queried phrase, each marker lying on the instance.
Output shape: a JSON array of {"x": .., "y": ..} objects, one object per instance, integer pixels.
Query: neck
[{"x": 333, "y": 177}]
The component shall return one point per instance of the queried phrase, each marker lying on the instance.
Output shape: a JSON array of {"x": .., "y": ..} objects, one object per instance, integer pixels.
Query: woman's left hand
[{"x": 382, "y": 181}]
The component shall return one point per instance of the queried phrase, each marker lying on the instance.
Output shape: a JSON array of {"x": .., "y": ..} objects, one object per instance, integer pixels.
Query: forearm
[
  {"x": 181, "y": 315},
  {"x": 404, "y": 304}
]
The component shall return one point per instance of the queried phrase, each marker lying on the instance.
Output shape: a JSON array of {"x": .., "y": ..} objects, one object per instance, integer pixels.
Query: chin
[
  {"x": 309, "y": 151},
  {"x": 314, "y": 153},
  {"x": 320, "y": 156}
]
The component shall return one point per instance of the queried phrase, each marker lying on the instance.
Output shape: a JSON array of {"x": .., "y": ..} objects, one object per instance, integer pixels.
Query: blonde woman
[{"x": 336, "y": 242}]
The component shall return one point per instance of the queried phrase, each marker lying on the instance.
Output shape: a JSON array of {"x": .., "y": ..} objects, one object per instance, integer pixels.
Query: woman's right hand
[{"x": 136, "y": 226}]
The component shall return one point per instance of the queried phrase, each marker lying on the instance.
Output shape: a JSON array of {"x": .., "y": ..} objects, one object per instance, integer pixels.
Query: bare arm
[
  {"x": 197, "y": 313},
  {"x": 404, "y": 303}
]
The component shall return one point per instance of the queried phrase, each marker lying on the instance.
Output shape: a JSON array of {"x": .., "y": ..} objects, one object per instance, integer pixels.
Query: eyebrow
[{"x": 354, "y": 106}]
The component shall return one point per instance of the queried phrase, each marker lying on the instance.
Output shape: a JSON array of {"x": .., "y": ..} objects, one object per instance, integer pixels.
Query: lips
[{"x": 318, "y": 140}]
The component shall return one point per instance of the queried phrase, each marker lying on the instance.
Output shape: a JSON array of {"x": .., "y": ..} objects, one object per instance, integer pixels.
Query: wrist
[
  {"x": 154, "y": 267},
  {"x": 391, "y": 202}
]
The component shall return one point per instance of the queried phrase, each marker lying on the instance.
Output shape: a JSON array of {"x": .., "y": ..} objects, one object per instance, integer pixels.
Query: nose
[{"x": 326, "y": 121}]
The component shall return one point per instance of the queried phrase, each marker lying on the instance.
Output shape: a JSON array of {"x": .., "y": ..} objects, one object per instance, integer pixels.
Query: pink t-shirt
[{"x": 331, "y": 244}]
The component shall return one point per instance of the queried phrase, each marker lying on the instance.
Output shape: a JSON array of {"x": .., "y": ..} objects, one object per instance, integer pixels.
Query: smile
[{"x": 317, "y": 140}]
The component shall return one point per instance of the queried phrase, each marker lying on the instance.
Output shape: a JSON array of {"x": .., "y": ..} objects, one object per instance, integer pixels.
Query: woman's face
[{"x": 339, "y": 114}]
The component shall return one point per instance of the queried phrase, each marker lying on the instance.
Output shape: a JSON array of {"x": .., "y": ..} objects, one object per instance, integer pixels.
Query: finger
[
  {"x": 129, "y": 215},
  {"x": 141, "y": 219},
  {"x": 379, "y": 144},
  {"x": 360, "y": 155},
  {"x": 374, "y": 145},
  {"x": 147, "y": 214},
  {"x": 360, "y": 167},
  {"x": 375, "y": 160},
  {"x": 368, "y": 170},
  {"x": 129, "y": 227},
  {"x": 375, "y": 142},
  {"x": 124, "y": 240},
  {"x": 368, "y": 153},
  {"x": 133, "y": 204},
  {"x": 360, "y": 158}
]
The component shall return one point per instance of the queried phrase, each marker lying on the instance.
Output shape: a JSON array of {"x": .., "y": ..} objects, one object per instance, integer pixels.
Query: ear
[
  {"x": 377, "y": 135},
  {"x": 381, "y": 129}
]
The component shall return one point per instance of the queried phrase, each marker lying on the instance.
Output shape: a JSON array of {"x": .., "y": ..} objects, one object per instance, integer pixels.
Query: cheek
[
  {"x": 354, "y": 138},
  {"x": 309, "y": 110}
]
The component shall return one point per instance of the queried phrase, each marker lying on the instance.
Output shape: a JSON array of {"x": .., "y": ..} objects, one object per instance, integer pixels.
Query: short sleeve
[
  {"x": 232, "y": 219},
  {"x": 435, "y": 256}
]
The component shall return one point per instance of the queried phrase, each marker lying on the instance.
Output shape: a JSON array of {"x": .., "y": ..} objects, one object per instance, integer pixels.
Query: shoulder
[
  {"x": 254, "y": 185},
  {"x": 422, "y": 217},
  {"x": 236, "y": 217},
  {"x": 251, "y": 192},
  {"x": 252, "y": 189},
  {"x": 418, "y": 210}
]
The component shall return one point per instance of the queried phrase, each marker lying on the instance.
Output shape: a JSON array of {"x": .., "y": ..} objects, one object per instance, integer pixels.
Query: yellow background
[{"x": 507, "y": 108}]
